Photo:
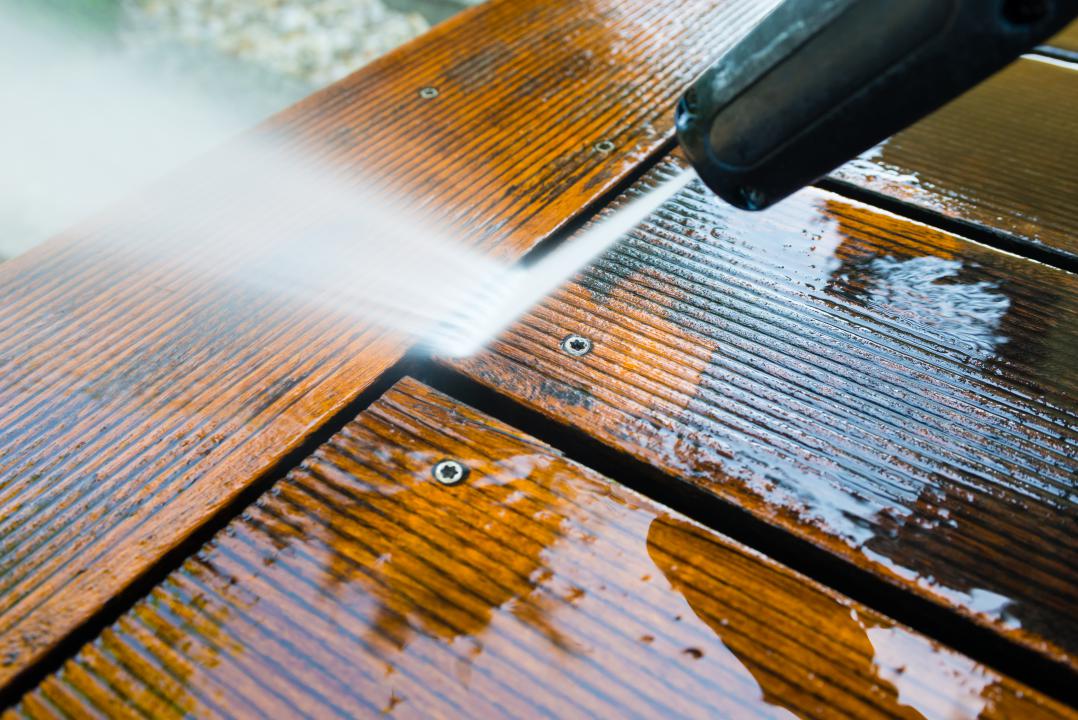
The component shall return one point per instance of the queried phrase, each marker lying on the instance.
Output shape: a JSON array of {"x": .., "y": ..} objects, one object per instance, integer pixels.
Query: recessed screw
[
  {"x": 576, "y": 345},
  {"x": 450, "y": 472},
  {"x": 604, "y": 146},
  {"x": 428, "y": 93}
]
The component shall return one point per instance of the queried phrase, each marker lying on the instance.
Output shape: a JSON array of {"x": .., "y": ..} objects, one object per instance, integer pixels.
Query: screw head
[
  {"x": 450, "y": 472},
  {"x": 604, "y": 146},
  {"x": 428, "y": 93},
  {"x": 576, "y": 345}
]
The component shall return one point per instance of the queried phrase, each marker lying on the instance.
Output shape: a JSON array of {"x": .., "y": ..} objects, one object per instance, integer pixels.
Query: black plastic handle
[{"x": 820, "y": 81}]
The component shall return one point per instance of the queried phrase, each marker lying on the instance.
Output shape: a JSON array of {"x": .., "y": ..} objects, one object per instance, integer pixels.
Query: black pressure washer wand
[{"x": 820, "y": 81}]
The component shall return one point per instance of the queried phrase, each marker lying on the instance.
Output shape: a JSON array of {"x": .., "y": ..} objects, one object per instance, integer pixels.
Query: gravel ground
[{"x": 316, "y": 42}]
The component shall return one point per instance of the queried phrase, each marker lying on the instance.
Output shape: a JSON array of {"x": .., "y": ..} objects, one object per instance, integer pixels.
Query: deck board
[
  {"x": 138, "y": 396},
  {"x": 1003, "y": 156},
  {"x": 359, "y": 586},
  {"x": 896, "y": 395}
]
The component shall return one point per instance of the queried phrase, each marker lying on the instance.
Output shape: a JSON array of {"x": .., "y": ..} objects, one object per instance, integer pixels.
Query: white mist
[{"x": 258, "y": 214}]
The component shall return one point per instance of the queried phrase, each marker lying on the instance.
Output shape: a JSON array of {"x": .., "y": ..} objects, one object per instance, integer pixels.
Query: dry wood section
[
  {"x": 1003, "y": 156},
  {"x": 359, "y": 585},
  {"x": 139, "y": 393},
  {"x": 892, "y": 393}
]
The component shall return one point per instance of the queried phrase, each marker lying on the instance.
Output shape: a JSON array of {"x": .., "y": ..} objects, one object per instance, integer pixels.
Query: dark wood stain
[
  {"x": 140, "y": 396},
  {"x": 1003, "y": 156},
  {"x": 359, "y": 586},
  {"x": 894, "y": 394}
]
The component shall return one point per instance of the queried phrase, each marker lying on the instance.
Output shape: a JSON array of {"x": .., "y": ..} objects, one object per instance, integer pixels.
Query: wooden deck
[
  {"x": 960, "y": 161},
  {"x": 890, "y": 401},
  {"x": 844, "y": 374},
  {"x": 136, "y": 402},
  {"x": 358, "y": 585}
]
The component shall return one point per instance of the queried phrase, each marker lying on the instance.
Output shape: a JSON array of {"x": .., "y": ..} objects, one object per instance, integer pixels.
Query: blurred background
[{"x": 101, "y": 96}]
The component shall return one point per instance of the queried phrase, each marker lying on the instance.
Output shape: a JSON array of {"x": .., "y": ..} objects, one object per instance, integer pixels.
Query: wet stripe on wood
[
  {"x": 535, "y": 588},
  {"x": 894, "y": 394},
  {"x": 137, "y": 398},
  {"x": 1004, "y": 156}
]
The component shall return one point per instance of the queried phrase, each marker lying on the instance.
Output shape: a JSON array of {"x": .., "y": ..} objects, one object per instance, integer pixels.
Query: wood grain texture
[
  {"x": 536, "y": 588},
  {"x": 1003, "y": 156},
  {"x": 138, "y": 395},
  {"x": 894, "y": 394}
]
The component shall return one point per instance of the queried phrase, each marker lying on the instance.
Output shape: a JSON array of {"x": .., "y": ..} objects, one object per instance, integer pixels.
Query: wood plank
[
  {"x": 360, "y": 586},
  {"x": 1003, "y": 156},
  {"x": 896, "y": 395},
  {"x": 139, "y": 396}
]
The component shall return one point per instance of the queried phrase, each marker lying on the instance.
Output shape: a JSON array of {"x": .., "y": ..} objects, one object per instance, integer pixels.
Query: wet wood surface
[
  {"x": 894, "y": 394},
  {"x": 138, "y": 394},
  {"x": 1003, "y": 156},
  {"x": 360, "y": 586}
]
